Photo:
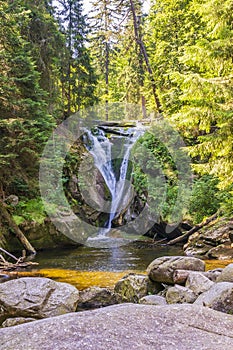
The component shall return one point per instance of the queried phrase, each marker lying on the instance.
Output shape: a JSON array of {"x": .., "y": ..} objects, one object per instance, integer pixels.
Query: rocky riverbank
[
  {"x": 169, "y": 280},
  {"x": 213, "y": 241},
  {"x": 177, "y": 304}
]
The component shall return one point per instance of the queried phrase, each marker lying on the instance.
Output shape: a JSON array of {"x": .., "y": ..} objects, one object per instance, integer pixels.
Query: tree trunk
[
  {"x": 143, "y": 51},
  {"x": 19, "y": 234},
  {"x": 185, "y": 237}
]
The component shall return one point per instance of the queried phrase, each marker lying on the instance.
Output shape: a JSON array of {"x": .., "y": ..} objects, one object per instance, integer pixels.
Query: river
[{"x": 87, "y": 266}]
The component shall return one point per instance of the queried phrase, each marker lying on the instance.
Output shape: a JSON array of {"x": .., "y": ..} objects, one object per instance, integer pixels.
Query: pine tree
[
  {"x": 172, "y": 25},
  {"x": 104, "y": 22},
  {"x": 25, "y": 123},
  {"x": 78, "y": 76}
]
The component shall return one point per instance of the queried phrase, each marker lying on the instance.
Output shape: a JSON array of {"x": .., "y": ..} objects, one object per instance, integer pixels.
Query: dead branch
[
  {"x": 185, "y": 236},
  {"x": 19, "y": 234}
]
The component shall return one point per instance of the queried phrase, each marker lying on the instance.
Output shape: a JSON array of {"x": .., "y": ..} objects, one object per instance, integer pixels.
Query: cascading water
[{"x": 102, "y": 148}]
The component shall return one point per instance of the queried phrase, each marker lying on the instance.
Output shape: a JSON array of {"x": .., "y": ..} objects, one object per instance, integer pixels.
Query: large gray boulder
[
  {"x": 36, "y": 297},
  {"x": 95, "y": 297},
  {"x": 162, "y": 269},
  {"x": 179, "y": 294},
  {"x": 124, "y": 327},
  {"x": 219, "y": 297}
]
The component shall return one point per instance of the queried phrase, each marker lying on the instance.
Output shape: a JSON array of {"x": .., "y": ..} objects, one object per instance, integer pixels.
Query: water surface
[{"x": 86, "y": 266}]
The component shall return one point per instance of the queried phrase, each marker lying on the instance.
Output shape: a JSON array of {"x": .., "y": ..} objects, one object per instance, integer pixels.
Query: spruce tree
[
  {"x": 78, "y": 75},
  {"x": 206, "y": 112}
]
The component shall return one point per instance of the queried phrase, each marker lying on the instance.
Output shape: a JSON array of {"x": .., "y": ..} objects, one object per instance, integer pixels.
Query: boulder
[
  {"x": 124, "y": 327},
  {"x": 36, "y": 297},
  {"x": 9, "y": 322},
  {"x": 219, "y": 297},
  {"x": 213, "y": 274},
  {"x": 95, "y": 297},
  {"x": 153, "y": 300},
  {"x": 226, "y": 275},
  {"x": 162, "y": 269},
  {"x": 198, "y": 283},
  {"x": 133, "y": 287},
  {"x": 179, "y": 294}
]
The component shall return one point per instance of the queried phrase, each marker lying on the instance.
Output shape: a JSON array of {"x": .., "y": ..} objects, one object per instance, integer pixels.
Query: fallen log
[
  {"x": 185, "y": 236},
  {"x": 19, "y": 234}
]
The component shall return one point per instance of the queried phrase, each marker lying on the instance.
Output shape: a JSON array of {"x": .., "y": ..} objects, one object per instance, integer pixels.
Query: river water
[{"x": 87, "y": 266}]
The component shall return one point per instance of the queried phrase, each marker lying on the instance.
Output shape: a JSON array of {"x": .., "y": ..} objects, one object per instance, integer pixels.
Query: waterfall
[{"x": 104, "y": 152}]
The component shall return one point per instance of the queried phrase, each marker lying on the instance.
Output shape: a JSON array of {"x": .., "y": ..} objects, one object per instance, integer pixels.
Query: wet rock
[
  {"x": 9, "y": 322},
  {"x": 153, "y": 300},
  {"x": 133, "y": 287},
  {"x": 219, "y": 297},
  {"x": 162, "y": 269},
  {"x": 226, "y": 275},
  {"x": 37, "y": 298},
  {"x": 96, "y": 297},
  {"x": 124, "y": 327},
  {"x": 46, "y": 235},
  {"x": 179, "y": 294},
  {"x": 198, "y": 283}
]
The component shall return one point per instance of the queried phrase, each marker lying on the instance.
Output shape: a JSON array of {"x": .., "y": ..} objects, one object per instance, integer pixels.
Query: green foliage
[
  {"x": 205, "y": 199},
  {"x": 155, "y": 174},
  {"x": 32, "y": 210}
]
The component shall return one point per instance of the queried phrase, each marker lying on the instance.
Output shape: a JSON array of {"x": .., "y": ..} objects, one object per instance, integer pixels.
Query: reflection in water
[{"x": 94, "y": 259}]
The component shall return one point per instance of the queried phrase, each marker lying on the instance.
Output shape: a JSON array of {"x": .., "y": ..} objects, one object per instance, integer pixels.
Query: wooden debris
[
  {"x": 185, "y": 236},
  {"x": 6, "y": 266},
  {"x": 19, "y": 234}
]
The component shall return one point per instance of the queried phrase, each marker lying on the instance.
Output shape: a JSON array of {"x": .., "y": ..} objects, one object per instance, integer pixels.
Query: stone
[
  {"x": 179, "y": 294},
  {"x": 12, "y": 200},
  {"x": 36, "y": 297},
  {"x": 10, "y": 322},
  {"x": 222, "y": 251},
  {"x": 162, "y": 269},
  {"x": 95, "y": 297},
  {"x": 198, "y": 283},
  {"x": 131, "y": 288},
  {"x": 226, "y": 275},
  {"x": 219, "y": 297},
  {"x": 124, "y": 327},
  {"x": 153, "y": 300},
  {"x": 213, "y": 274}
]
